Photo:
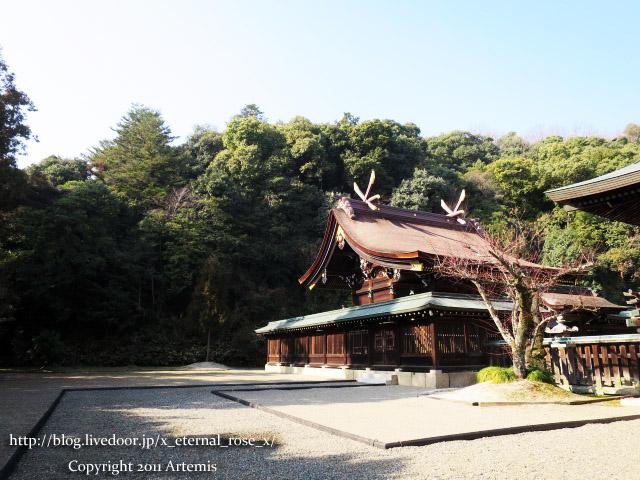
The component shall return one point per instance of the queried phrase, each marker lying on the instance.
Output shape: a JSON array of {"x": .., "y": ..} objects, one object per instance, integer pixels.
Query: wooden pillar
[
  {"x": 324, "y": 341},
  {"x": 434, "y": 349},
  {"x": 344, "y": 348},
  {"x": 466, "y": 338},
  {"x": 268, "y": 348},
  {"x": 280, "y": 350},
  {"x": 370, "y": 345},
  {"x": 482, "y": 338},
  {"x": 396, "y": 343}
]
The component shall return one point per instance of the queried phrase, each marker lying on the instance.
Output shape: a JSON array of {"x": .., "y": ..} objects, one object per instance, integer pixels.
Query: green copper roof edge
[
  {"x": 591, "y": 339},
  {"x": 634, "y": 167},
  {"x": 620, "y": 338},
  {"x": 408, "y": 304}
]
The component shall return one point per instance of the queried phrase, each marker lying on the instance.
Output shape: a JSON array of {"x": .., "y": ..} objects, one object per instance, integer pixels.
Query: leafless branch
[
  {"x": 178, "y": 199},
  {"x": 498, "y": 271}
]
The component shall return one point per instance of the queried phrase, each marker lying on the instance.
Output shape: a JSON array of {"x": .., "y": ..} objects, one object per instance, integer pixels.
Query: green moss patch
[{"x": 505, "y": 374}]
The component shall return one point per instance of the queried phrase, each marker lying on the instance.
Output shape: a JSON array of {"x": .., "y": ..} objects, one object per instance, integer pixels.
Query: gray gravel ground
[
  {"x": 397, "y": 413},
  {"x": 589, "y": 452},
  {"x": 25, "y": 396}
]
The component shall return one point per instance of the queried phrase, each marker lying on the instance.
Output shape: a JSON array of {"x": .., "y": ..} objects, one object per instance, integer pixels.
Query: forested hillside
[{"x": 133, "y": 253}]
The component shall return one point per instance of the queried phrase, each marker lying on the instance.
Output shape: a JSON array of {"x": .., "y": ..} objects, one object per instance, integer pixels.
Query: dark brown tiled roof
[
  {"x": 563, "y": 300},
  {"x": 398, "y": 233},
  {"x": 399, "y": 238}
]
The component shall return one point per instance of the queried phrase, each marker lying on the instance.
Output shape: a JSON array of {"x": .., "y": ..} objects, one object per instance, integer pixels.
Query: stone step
[{"x": 379, "y": 378}]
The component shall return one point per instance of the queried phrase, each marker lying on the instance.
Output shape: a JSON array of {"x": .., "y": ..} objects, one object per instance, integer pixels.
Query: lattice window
[
  {"x": 451, "y": 338},
  {"x": 359, "y": 342},
  {"x": 416, "y": 340},
  {"x": 473, "y": 339}
]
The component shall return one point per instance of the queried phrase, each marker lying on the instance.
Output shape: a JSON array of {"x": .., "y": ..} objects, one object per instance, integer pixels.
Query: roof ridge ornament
[
  {"x": 365, "y": 196},
  {"x": 345, "y": 206},
  {"x": 455, "y": 212}
]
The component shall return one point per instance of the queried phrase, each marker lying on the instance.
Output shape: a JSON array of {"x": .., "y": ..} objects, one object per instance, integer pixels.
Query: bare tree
[
  {"x": 179, "y": 197},
  {"x": 504, "y": 265}
]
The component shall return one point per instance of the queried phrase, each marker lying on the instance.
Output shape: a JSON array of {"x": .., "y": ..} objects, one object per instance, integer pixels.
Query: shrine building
[{"x": 406, "y": 318}]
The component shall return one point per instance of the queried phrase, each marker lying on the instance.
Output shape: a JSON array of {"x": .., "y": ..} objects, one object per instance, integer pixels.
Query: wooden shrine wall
[{"x": 447, "y": 342}]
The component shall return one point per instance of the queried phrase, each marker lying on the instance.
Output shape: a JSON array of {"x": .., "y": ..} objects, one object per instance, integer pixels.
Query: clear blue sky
[{"x": 485, "y": 66}]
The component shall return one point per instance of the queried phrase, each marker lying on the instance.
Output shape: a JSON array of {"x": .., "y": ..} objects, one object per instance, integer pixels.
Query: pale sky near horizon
[{"x": 489, "y": 67}]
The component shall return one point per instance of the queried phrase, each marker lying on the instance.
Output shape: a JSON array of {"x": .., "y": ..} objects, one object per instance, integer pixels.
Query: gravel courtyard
[
  {"x": 300, "y": 452},
  {"x": 391, "y": 414},
  {"x": 26, "y": 395}
]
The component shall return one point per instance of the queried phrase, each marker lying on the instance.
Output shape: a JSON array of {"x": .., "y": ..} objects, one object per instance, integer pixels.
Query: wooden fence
[{"x": 602, "y": 364}]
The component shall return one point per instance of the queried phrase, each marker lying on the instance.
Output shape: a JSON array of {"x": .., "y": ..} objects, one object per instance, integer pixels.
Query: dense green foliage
[
  {"x": 14, "y": 105},
  {"x": 58, "y": 171},
  {"x": 496, "y": 375},
  {"x": 540, "y": 375},
  {"x": 505, "y": 374},
  {"x": 132, "y": 254}
]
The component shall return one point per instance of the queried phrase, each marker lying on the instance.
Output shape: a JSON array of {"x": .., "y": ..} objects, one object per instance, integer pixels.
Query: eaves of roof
[
  {"x": 399, "y": 306},
  {"x": 621, "y": 178},
  {"x": 563, "y": 300}
]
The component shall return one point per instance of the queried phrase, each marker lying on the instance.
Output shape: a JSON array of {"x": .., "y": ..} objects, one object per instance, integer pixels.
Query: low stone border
[
  {"x": 541, "y": 427},
  {"x": 416, "y": 442},
  {"x": 516, "y": 403},
  {"x": 11, "y": 464},
  {"x": 317, "y": 426},
  {"x": 285, "y": 386}
]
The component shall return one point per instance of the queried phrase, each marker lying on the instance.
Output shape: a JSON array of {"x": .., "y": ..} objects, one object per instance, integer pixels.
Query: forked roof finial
[
  {"x": 365, "y": 196},
  {"x": 456, "y": 212}
]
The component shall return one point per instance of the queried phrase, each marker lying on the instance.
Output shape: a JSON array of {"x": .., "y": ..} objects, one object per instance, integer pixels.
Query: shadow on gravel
[
  {"x": 342, "y": 467},
  {"x": 244, "y": 448}
]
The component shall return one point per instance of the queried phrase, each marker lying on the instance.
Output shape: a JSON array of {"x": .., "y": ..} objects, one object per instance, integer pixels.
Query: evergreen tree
[{"x": 140, "y": 162}]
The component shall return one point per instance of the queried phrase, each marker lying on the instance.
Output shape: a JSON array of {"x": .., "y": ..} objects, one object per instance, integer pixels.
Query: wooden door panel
[{"x": 384, "y": 346}]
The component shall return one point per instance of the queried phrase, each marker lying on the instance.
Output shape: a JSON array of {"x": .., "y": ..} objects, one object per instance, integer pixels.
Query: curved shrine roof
[
  {"x": 398, "y": 233},
  {"x": 399, "y": 238}
]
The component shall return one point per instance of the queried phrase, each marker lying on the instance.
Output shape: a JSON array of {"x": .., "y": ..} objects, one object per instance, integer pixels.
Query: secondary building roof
[
  {"x": 399, "y": 306},
  {"x": 615, "y": 195},
  {"x": 565, "y": 300},
  {"x": 438, "y": 301}
]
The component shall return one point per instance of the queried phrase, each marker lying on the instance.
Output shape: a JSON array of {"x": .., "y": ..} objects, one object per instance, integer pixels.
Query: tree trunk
[
  {"x": 522, "y": 333},
  {"x": 519, "y": 363},
  {"x": 208, "y": 343},
  {"x": 535, "y": 357}
]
